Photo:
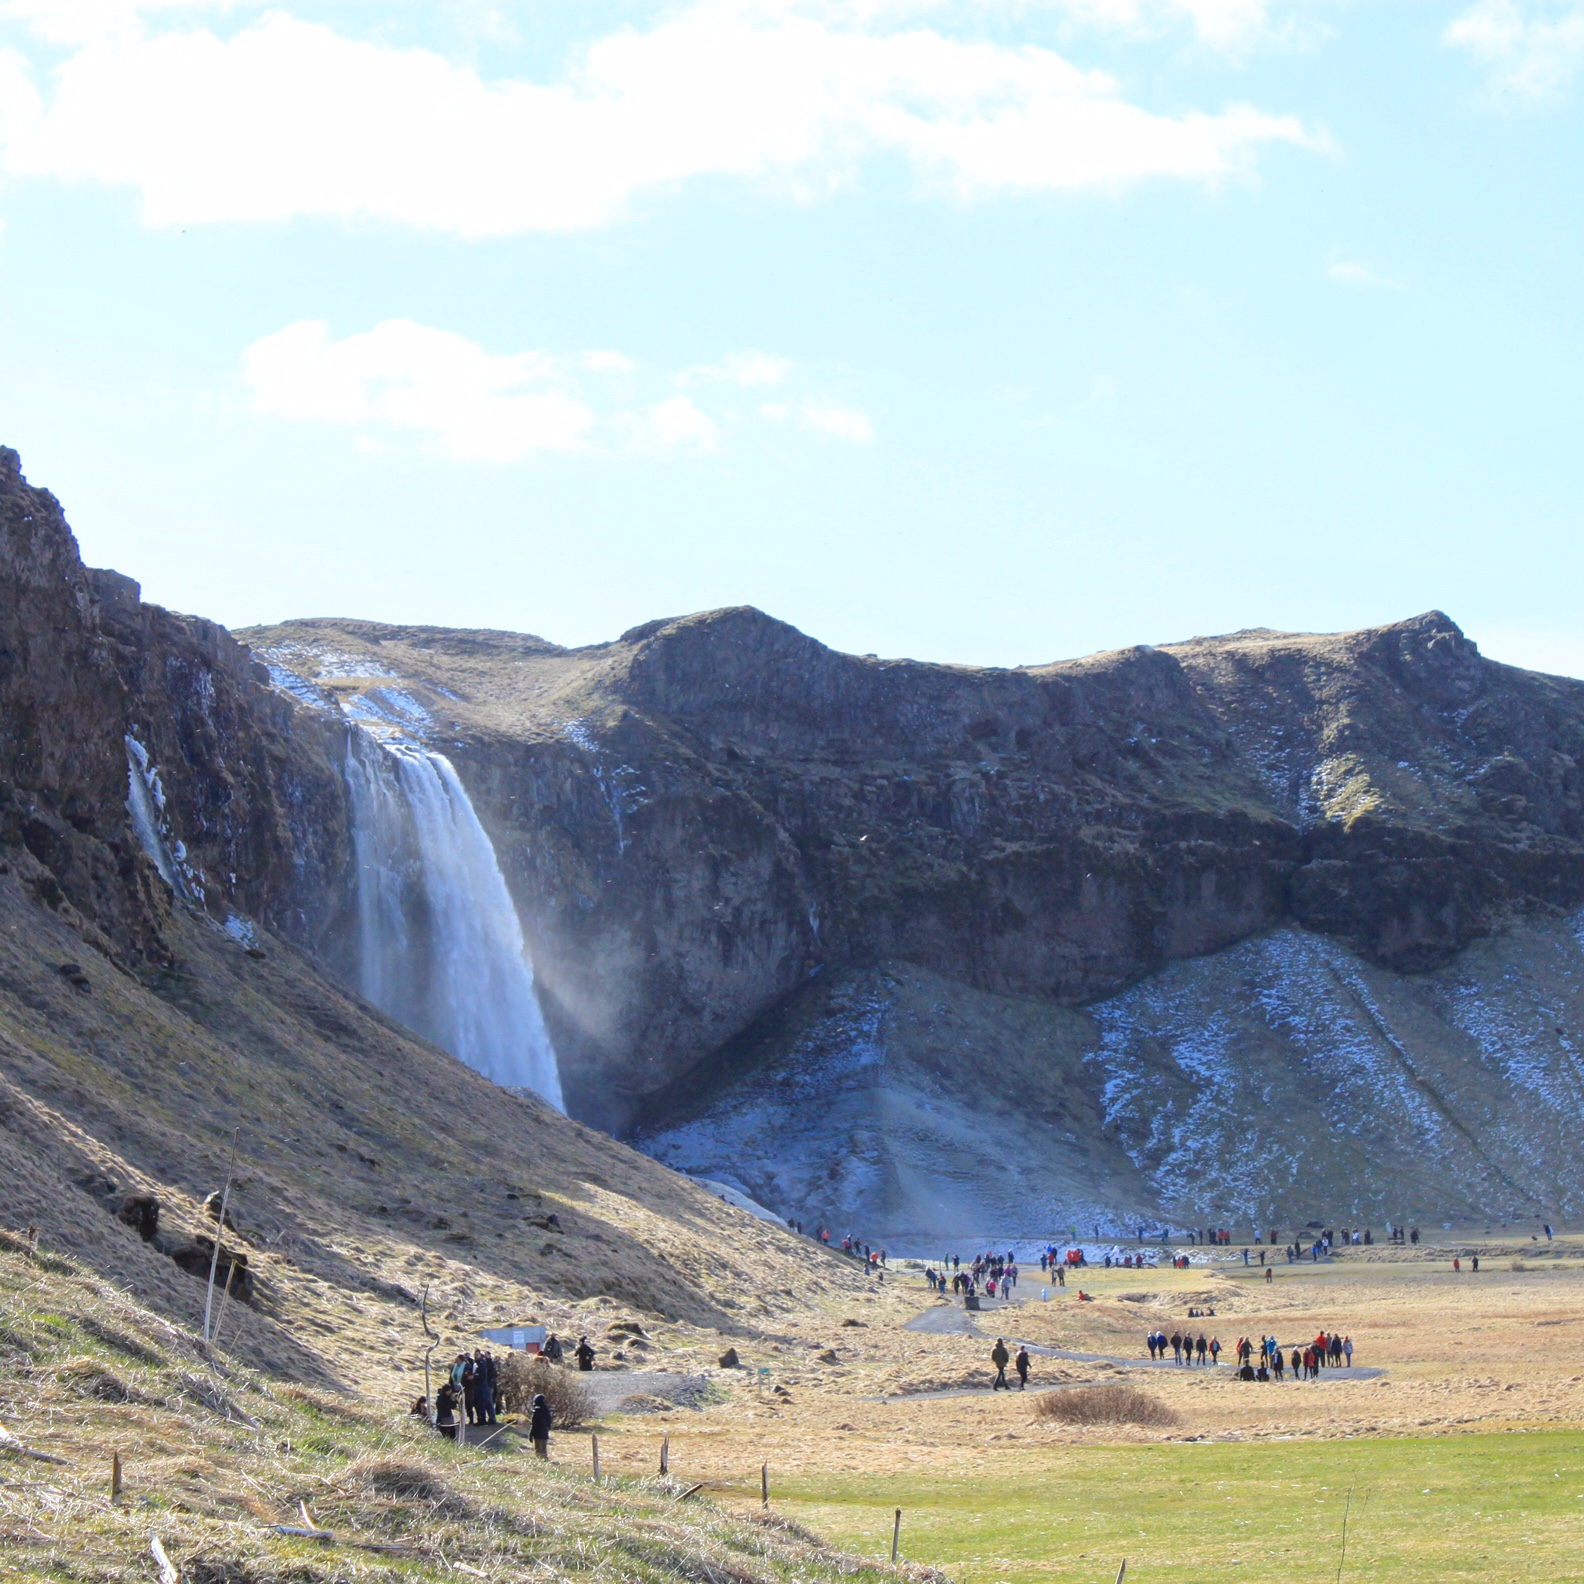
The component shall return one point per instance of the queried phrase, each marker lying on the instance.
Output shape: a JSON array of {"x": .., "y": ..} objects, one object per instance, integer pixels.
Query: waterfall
[{"x": 440, "y": 946}]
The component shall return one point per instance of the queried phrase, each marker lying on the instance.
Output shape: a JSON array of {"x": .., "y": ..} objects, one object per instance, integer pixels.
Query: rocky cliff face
[
  {"x": 701, "y": 816},
  {"x": 712, "y": 824},
  {"x": 106, "y": 703}
]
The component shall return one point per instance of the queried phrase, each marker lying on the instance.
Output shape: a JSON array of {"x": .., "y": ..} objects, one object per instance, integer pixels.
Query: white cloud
[
  {"x": 467, "y": 403},
  {"x": 298, "y": 120},
  {"x": 403, "y": 379},
  {"x": 835, "y": 418},
  {"x": 1225, "y": 24},
  {"x": 739, "y": 368},
  {"x": 823, "y": 416},
  {"x": 1532, "y": 53},
  {"x": 1349, "y": 272},
  {"x": 676, "y": 425}
]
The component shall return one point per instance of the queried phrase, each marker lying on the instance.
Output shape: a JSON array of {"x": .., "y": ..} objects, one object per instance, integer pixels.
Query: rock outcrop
[{"x": 106, "y": 702}]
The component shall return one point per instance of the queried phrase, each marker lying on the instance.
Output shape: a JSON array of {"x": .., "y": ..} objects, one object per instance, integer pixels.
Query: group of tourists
[
  {"x": 469, "y": 1394},
  {"x": 469, "y": 1388},
  {"x": 1184, "y": 1347},
  {"x": 1261, "y": 1360},
  {"x": 874, "y": 1259},
  {"x": 992, "y": 1273},
  {"x": 1265, "y": 1360}
]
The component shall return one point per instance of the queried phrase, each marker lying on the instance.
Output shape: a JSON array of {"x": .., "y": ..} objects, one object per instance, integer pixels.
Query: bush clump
[
  {"x": 1106, "y": 1404},
  {"x": 519, "y": 1377}
]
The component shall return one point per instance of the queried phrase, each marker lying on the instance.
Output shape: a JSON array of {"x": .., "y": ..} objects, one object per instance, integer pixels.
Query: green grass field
[{"x": 1505, "y": 1506}]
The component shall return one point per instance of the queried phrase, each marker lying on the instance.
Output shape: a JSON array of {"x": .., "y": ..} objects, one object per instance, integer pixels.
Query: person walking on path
[
  {"x": 1215, "y": 1350},
  {"x": 585, "y": 1354},
  {"x": 1023, "y": 1363},
  {"x": 1176, "y": 1342},
  {"x": 539, "y": 1425},
  {"x": 1000, "y": 1358}
]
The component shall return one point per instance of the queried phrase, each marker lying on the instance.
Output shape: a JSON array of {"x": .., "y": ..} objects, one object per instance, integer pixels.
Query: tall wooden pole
[{"x": 214, "y": 1261}]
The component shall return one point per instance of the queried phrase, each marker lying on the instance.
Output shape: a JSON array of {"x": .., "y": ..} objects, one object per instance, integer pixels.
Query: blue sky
[{"x": 982, "y": 330}]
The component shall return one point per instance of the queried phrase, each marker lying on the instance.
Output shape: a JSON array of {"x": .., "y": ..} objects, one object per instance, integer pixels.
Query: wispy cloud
[
  {"x": 1532, "y": 53},
  {"x": 407, "y": 380},
  {"x": 298, "y": 119},
  {"x": 739, "y": 368},
  {"x": 824, "y": 417},
  {"x": 1349, "y": 272}
]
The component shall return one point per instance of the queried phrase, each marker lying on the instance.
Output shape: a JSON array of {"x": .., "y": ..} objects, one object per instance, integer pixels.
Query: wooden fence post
[
  {"x": 764, "y": 1485},
  {"x": 115, "y": 1476},
  {"x": 896, "y": 1536},
  {"x": 665, "y": 1454},
  {"x": 594, "y": 1441}
]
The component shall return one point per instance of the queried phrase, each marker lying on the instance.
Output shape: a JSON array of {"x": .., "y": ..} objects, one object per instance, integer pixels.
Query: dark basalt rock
[
  {"x": 195, "y": 1255},
  {"x": 141, "y": 1212}
]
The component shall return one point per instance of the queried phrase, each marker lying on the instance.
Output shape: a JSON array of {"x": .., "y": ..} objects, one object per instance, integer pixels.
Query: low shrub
[
  {"x": 1105, "y": 1404},
  {"x": 519, "y": 1377}
]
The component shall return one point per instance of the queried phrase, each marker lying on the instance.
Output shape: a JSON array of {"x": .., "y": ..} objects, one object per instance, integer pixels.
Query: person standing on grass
[
  {"x": 1023, "y": 1363},
  {"x": 445, "y": 1410},
  {"x": 1000, "y": 1358},
  {"x": 539, "y": 1425},
  {"x": 584, "y": 1355}
]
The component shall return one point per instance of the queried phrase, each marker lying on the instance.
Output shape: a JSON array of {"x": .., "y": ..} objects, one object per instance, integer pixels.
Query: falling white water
[
  {"x": 440, "y": 946},
  {"x": 146, "y": 806}
]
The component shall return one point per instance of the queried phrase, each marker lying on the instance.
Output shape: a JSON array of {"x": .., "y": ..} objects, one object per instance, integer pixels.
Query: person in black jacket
[
  {"x": 585, "y": 1354},
  {"x": 1023, "y": 1362},
  {"x": 1000, "y": 1358},
  {"x": 539, "y": 1425},
  {"x": 445, "y": 1411}
]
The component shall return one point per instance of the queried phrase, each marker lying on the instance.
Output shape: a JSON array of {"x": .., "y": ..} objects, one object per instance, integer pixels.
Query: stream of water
[{"x": 440, "y": 946}]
